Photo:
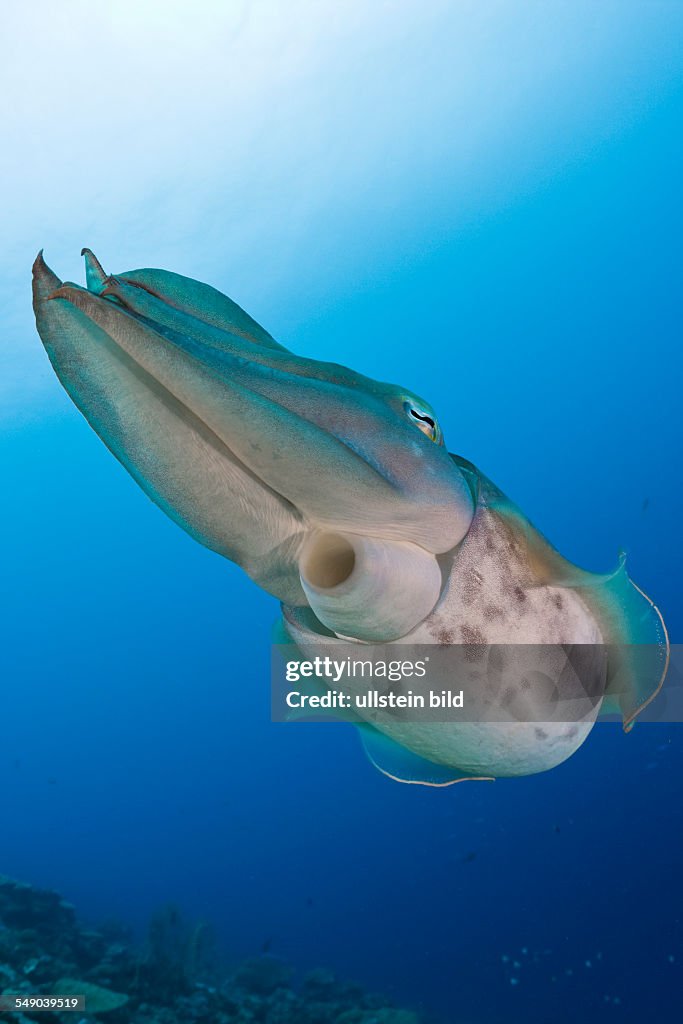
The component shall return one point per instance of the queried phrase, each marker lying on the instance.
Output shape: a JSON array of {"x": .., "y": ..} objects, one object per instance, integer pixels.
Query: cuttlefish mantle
[{"x": 336, "y": 494}]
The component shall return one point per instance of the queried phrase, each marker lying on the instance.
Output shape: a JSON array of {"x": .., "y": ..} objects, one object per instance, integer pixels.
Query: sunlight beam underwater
[{"x": 336, "y": 494}]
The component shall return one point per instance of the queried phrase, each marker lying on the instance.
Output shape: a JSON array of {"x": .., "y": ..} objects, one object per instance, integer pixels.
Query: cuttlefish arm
[
  {"x": 169, "y": 449},
  {"x": 249, "y": 448}
]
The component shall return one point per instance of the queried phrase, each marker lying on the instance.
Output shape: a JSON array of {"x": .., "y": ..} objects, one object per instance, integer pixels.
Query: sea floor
[{"x": 176, "y": 975}]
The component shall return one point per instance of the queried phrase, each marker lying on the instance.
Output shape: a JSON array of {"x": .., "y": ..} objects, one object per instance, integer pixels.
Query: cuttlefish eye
[{"x": 424, "y": 420}]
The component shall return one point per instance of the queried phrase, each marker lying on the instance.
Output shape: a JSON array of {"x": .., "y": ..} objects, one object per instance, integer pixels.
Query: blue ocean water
[{"x": 531, "y": 291}]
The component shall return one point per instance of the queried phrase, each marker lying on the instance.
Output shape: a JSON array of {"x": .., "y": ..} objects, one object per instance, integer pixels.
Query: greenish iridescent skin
[{"x": 253, "y": 450}]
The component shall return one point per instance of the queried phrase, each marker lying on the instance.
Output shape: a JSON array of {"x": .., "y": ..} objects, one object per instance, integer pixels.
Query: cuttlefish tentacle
[{"x": 336, "y": 494}]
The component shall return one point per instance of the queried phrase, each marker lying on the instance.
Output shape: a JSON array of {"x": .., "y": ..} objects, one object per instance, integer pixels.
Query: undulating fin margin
[
  {"x": 631, "y": 624},
  {"x": 402, "y": 765}
]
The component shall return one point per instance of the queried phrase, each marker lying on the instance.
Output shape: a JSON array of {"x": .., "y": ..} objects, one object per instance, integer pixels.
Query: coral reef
[{"x": 177, "y": 976}]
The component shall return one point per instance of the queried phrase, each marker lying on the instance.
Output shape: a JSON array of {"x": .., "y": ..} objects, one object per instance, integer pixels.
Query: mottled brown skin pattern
[{"x": 493, "y": 594}]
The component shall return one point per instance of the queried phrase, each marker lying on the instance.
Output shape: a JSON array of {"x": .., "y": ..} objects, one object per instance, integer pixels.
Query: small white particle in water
[
  {"x": 516, "y": 964},
  {"x": 588, "y": 963},
  {"x": 514, "y": 981},
  {"x": 617, "y": 1001},
  {"x": 568, "y": 971},
  {"x": 524, "y": 950},
  {"x": 671, "y": 958},
  {"x": 505, "y": 958}
]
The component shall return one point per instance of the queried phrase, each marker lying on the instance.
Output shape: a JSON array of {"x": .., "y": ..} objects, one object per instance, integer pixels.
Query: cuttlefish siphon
[{"x": 336, "y": 494}]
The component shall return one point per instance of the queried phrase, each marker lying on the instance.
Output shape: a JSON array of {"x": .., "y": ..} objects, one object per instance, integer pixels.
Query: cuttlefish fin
[
  {"x": 639, "y": 652},
  {"x": 285, "y": 648},
  {"x": 632, "y": 626},
  {"x": 402, "y": 765},
  {"x": 279, "y": 635}
]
